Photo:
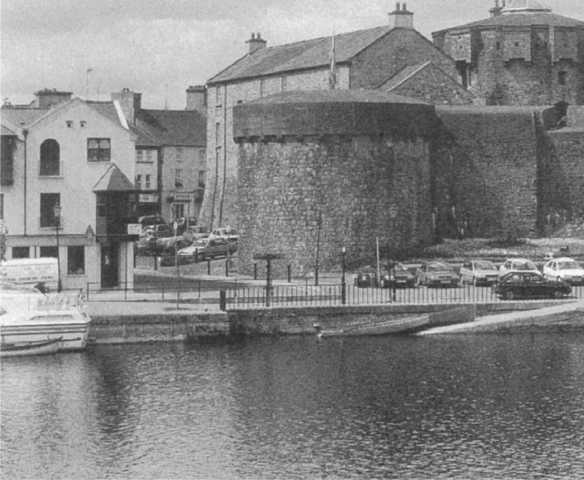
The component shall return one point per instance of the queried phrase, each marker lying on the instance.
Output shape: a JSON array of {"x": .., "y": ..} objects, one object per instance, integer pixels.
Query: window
[
  {"x": 202, "y": 178},
  {"x": 20, "y": 252},
  {"x": 50, "y": 158},
  {"x": 139, "y": 182},
  {"x": 83, "y": 123},
  {"x": 217, "y": 134},
  {"x": 139, "y": 156},
  {"x": 50, "y": 252},
  {"x": 98, "y": 150},
  {"x": 69, "y": 123},
  {"x": 147, "y": 186},
  {"x": 48, "y": 203},
  {"x": 178, "y": 180},
  {"x": 76, "y": 260},
  {"x": 562, "y": 77},
  {"x": 149, "y": 156},
  {"x": 178, "y": 210},
  {"x": 218, "y": 96},
  {"x": 7, "y": 160}
]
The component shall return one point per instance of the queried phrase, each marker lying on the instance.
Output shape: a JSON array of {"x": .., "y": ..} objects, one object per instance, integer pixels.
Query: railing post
[
  {"x": 255, "y": 271},
  {"x": 222, "y": 300}
]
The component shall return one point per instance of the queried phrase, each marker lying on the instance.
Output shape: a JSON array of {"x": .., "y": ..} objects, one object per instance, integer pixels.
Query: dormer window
[
  {"x": 83, "y": 123},
  {"x": 69, "y": 123}
]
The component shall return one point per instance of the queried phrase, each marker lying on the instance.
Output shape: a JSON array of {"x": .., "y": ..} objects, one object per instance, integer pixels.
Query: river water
[{"x": 459, "y": 407}]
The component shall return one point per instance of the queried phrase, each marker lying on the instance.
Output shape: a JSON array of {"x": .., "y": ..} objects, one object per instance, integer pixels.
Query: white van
[{"x": 42, "y": 273}]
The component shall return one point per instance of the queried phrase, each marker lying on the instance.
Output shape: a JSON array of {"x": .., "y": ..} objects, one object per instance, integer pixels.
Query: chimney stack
[
  {"x": 401, "y": 17},
  {"x": 496, "y": 10},
  {"x": 197, "y": 99},
  {"x": 256, "y": 42},
  {"x": 130, "y": 102},
  {"x": 47, "y": 98}
]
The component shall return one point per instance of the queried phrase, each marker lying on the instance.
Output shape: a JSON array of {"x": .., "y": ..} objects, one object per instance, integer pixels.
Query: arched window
[{"x": 50, "y": 157}]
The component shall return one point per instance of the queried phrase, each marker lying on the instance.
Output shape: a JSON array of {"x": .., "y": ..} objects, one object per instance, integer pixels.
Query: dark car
[
  {"x": 366, "y": 278},
  {"x": 437, "y": 274},
  {"x": 207, "y": 248},
  {"x": 530, "y": 285},
  {"x": 398, "y": 277}
]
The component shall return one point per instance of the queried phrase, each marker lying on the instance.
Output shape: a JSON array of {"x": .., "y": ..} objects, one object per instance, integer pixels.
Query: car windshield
[
  {"x": 523, "y": 265},
  {"x": 437, "y": 267},
  {"x": 484, "y": 265},
  {"x": 569, "y": 265}
]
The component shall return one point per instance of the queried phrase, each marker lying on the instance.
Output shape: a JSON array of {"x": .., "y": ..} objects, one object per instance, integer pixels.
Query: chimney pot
[
  {"x": 401, "y": 17},
  {"x": 256, "y": 42}
]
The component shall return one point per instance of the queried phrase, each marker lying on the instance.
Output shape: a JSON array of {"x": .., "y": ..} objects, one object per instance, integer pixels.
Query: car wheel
[
  {"x": 509, "y": 295},
  {"x": 558, "y": 294}
]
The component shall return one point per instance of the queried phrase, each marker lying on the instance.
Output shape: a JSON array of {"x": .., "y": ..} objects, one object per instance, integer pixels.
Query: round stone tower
[
  {"x": 323, "y": 170},
  {"x": 524, "y": 54}
]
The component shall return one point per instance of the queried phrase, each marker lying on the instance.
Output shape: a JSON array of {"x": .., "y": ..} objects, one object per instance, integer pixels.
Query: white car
[
  {"x": 517, "y": 265},
  {"x": 566, "y": 269}
]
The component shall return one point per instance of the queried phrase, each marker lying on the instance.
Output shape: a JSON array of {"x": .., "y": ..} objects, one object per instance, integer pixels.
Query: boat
[{"x": 32, "y": 323}]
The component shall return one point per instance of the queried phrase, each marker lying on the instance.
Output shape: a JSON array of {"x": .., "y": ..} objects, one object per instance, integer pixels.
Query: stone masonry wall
[
  {"x": 357, "y": 189},
  {"x": 485, "y": 172},
  {"x": 562, "y": 171}
]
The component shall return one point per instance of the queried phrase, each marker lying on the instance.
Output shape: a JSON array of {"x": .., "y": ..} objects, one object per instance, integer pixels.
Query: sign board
[
  {"x": 148, "y": 198},
  {"x": 134, "y": 229},
  {"x": 182, "y": 197}
]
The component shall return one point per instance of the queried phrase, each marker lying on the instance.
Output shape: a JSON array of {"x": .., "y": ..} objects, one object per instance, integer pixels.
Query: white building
[{"x": 78, "y": 155}]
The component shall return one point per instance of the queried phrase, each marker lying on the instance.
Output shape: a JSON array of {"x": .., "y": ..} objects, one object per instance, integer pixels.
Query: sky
[{"x": 160, "y": 47}]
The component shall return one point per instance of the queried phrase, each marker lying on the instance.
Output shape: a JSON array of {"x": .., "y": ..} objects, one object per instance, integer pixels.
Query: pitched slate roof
[
  {"x": 113, "y": 180},
  {"x": 171, "y": 127},
  {"x": 107, "y": 109},
  {"x": 520, "y": 20},
  {"x": 301, "y": 55},
  {"x": 22, "y": 116}
]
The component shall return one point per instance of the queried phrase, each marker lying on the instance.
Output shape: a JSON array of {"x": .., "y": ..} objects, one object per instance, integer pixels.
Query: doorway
[{"x": 110, "y": 265}]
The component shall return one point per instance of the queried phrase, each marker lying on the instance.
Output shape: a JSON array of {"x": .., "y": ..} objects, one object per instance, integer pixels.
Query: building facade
[
  {"x": 170, "y": 155},
  {"x": 524, "y": 54},
  {"x": 66, "y": 190},
  {"x": 365, "y": 59}
]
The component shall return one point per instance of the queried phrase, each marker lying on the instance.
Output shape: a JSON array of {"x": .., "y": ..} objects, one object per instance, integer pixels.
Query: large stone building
[
  {"x": 394, "y": 58},
  {"x": 524, "y": 54}
]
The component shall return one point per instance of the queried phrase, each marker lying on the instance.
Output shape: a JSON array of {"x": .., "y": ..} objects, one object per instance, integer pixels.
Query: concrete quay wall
[{"x": 186, "y": 326}]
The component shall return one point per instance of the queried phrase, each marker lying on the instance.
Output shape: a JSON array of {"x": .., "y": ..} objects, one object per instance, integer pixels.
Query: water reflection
[{"x": 444, "y": 407}]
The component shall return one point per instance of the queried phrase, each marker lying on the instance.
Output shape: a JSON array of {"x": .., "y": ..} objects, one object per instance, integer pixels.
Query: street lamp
[
  {"x": 57, "y": 212},
  {"x": 343, "y": 283}
]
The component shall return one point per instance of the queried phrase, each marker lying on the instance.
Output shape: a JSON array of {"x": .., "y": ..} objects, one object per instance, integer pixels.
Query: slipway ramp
[{"x": 563, "y": 317}]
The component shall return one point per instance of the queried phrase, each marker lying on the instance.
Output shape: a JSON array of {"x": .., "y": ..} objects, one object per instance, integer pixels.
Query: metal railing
[{"x": 332, "y": 294}]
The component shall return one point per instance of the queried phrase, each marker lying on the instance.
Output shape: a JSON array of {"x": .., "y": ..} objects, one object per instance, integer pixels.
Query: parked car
[
  {"x": 159, "y": 230},
  {"x": 437, "y": 274},
  {"x": 207, "y": 248},
  {"x": 517, "y": 265},
  {"x": 528, "y": 284},
  {"x": 366, "y": 278},
  {"x": 225, "y": 232},
  {"x": 148, "y": 220},
  {"x": 566, "y": 269},
  {"x": 398, "y": 277},
  {"x": 479, "y": 272}
]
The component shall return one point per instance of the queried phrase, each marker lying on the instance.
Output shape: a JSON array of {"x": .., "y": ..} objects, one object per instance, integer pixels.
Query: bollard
[
  {"x": 208, "y": 267},
  {"x": 255, "y": 271},
  {"x": 227, "y": 267},
  {"x": 222, "y": 300},
  {"x": 289, "y": 273}
]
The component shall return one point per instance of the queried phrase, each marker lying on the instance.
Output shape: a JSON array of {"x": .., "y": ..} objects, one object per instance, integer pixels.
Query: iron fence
[{"x": 332, "y": 294}]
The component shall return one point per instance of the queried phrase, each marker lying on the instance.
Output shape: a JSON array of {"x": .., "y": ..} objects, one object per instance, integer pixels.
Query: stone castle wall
[
  {"x": 335, "y": 192},
  {"x": 485, "y": 172}
]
